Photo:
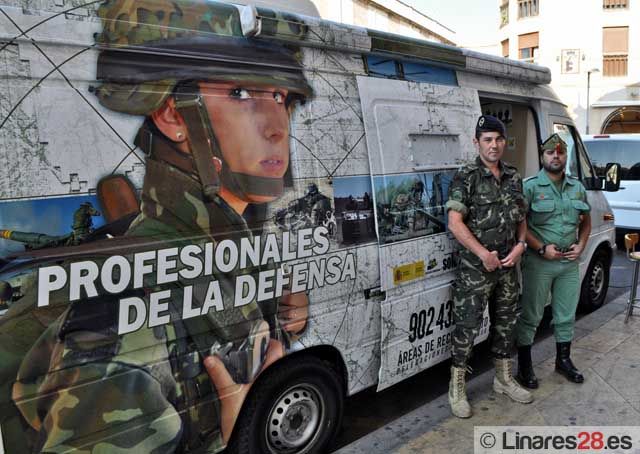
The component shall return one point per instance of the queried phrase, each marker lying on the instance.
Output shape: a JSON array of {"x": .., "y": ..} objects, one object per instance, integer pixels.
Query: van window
[
  {"x": 418, "y": 72},
  {"x": 415, "y": 72},
  {"x": 382, "y": 67},
  {"x": 627, "y": 153},
  {"x": 578, "y": 164}
]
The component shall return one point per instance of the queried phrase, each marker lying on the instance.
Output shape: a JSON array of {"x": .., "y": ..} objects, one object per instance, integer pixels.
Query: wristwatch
[
  {"x": 542, "y": 250},
  {"x": 524, "y": 243}
]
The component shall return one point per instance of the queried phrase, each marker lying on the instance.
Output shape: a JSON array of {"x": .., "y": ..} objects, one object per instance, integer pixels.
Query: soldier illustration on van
[
  {"x": 312, "y": 210},
  {"x": 406, "y": 209},
  {"x": 216, "y": 140}
]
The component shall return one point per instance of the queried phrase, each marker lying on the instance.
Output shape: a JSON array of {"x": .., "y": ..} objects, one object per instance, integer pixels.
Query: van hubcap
[
  {"x": 597, "y": 280},
  {"x": 294, "y": 420}
]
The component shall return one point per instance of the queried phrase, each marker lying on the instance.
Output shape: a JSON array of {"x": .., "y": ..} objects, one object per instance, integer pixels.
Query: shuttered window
[
  {"x": 505, "y": 48},
  {"x": 528, "y": 47},
  {"x": 615, "y": 51},
  {"x": 614, "y": 4}
]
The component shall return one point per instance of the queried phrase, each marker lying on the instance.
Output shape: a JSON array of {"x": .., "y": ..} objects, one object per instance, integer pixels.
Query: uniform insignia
[{"x": 541, "y": 196}]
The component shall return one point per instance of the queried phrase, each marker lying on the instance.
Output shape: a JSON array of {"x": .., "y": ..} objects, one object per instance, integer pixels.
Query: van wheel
[
  {"x": 294, "y": 408},
  {"x": 596, "y": 282}
]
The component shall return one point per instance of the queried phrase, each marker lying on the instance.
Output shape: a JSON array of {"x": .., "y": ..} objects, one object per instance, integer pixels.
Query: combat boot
[
  {"x": 526, "y": 376},
  {"x": 458, "y": 394},
  {"x": 564, "y": 365},
  {"x": 503, "y": 383}
]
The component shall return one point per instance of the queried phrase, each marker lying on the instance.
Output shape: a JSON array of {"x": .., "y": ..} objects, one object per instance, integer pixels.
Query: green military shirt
[
  {"x": 492, "y": 209},
  {"x": 555, "y": 211}
]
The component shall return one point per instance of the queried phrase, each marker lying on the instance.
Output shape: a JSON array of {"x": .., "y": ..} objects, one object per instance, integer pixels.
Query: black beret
[{"x": 489, "y": 123}]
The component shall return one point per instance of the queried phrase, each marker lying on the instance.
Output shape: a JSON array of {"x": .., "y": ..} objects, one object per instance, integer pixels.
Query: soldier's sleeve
[
  {"x": 93, "y": 406},
  {"x": 527, "y": 186},
  {"x": 458, "y": 194},
  {"x": 582, "y": 196}
]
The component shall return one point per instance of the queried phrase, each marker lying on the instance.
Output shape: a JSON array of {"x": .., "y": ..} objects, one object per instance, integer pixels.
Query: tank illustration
[
  {"x": 311, "y": 210},
  {"x": 82, "y": 227}
]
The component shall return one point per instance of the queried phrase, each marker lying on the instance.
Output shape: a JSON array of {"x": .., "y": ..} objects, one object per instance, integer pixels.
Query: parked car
[{"x": 623, "y": 149}]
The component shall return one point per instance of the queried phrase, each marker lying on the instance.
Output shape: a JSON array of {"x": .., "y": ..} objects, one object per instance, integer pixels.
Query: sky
[{"x": 474, "y": 21}]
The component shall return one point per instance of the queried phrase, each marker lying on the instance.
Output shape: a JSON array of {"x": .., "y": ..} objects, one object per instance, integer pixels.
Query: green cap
[
  {"x": 553, "y": 142},
  {"x": 150, "y": 46}
]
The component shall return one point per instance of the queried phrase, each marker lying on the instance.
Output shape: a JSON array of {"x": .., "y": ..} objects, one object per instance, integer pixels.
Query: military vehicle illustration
[
  {"x": 311, "y": 210},
  {"x": 407, "y": 210},
  {"x": 358, "y": 219},
  {"x": 82, "y": 228}
]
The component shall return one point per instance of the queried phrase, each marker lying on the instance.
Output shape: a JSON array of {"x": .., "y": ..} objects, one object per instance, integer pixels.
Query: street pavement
[{"x": 605, "y": 349}]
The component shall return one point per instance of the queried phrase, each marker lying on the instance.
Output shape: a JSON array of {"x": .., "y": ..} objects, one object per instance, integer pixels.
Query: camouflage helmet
[{"x": 147, "y": 47}]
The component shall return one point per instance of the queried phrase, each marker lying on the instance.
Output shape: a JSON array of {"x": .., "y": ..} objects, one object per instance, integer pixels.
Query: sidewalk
[{"x": 605, "y": 349}]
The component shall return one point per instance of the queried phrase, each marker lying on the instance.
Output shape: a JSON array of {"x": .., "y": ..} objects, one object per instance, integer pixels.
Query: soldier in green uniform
[
  {"x": 216, "y": 136},
  {"x": 559, "y": 228},
  {"x": 486, "y": 211}
]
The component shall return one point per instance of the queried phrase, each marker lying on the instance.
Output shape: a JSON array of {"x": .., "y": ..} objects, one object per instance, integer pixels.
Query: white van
[
  {"x": 624, "y": 149},
  {"x": 219, "y": 220}
]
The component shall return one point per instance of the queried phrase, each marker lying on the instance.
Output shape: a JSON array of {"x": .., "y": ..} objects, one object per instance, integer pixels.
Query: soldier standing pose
[
  {"x": 558, "y": 212},
  {"x": 487, "y": 216},
  {"x": 216, "y": 139}
]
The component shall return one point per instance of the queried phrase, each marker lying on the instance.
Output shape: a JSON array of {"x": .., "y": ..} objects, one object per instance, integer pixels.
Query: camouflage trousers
[{"x": 472, "y": 291}]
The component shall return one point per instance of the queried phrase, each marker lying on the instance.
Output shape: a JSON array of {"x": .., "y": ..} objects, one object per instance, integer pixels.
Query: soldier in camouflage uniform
[
  {"x": 487, "y": 216},
  {"x": 216, "y": 138}
]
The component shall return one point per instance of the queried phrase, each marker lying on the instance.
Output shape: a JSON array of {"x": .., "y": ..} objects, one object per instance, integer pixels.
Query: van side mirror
[{"x": 612, "y": 176}]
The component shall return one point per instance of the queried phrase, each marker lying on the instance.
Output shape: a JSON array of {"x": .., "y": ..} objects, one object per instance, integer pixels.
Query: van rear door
[{"x": 418, "y": 134}]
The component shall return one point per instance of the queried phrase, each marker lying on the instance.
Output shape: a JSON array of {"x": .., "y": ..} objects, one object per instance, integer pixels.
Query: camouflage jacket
[
  {"x": 83, "y": 387},
  {"x": 491, "y": 209}
]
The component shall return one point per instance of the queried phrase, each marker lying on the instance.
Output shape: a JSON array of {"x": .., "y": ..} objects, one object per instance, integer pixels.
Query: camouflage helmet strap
[{"x": 202, "y": 141}]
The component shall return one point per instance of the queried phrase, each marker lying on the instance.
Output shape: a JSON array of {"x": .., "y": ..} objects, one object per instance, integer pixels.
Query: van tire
[
  {"x": 272, "y": 406},
  {"x": 596, "y": 282}
]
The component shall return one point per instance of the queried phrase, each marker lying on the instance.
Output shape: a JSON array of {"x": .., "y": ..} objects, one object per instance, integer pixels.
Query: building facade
[
  {"x": 593, "y": 50},
  {"x": 392, "y": 16}
]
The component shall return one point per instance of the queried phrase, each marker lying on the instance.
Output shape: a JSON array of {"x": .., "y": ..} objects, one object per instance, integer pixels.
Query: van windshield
[{"x": 627, "y": 153}]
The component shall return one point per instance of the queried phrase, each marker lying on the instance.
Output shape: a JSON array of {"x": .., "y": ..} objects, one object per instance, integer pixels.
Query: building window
[
  {"x": 505, "y": 48},
  {"x": 504, "y": 13},
  {"x": 528, "y": 47},
  {"x": 527, "y": 8},
  {"x": 614, "y": 4},
  {"x": 615, "y": 51}
]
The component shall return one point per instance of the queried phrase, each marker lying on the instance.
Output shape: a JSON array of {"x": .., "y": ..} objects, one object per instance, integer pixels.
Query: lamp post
[{"x": 592, "y": 70}]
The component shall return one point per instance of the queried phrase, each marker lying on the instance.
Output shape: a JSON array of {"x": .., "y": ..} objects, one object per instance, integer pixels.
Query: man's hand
[
  {"x": 490, "y": 261},
  {"x": 231, "y": 394},
  {"x": 551, "y": 253},
  {"x": 294, "y": 311},
  {"x": 514, "y": 256},
  {"x": 574, "y": 252}
]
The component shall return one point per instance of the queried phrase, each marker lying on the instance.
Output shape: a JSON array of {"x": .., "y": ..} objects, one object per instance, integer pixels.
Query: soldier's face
[
  {"x": 490, "y": 146},
  {"x": 554, "y": 161},
  {"x": 251, "y": 124}
]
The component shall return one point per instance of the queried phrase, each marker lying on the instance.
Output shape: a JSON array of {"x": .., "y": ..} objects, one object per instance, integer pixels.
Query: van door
[
  {"x": 579, "y": 166},
  {"x": 418, "y": 134}
]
